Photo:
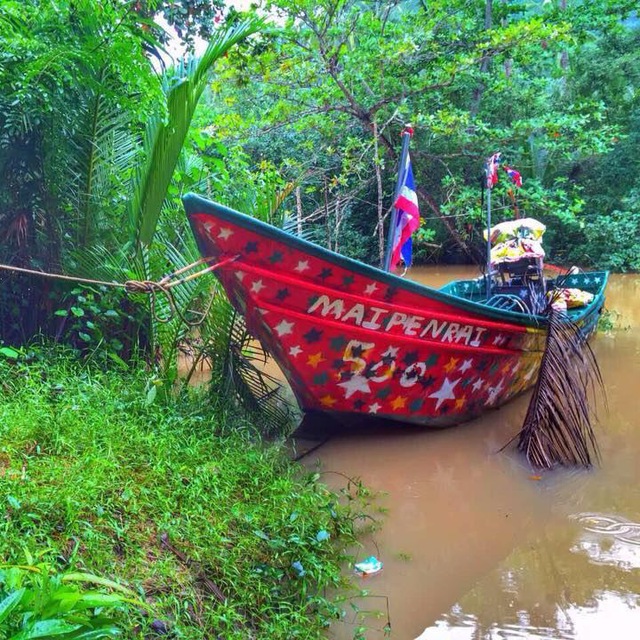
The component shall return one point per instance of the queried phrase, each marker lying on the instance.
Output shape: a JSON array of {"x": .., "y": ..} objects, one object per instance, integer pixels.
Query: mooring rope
[{"x": 150, "y": 287}]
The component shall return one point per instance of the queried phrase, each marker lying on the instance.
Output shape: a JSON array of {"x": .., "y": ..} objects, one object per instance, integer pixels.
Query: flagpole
[
  {"x": 488, "y": 270},
  {"x": 491, "y": 177},
  {"x": 402, "y": 167}
]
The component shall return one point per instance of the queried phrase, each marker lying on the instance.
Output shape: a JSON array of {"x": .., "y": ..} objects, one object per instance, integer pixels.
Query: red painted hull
[{"x": 352, "y": 339}]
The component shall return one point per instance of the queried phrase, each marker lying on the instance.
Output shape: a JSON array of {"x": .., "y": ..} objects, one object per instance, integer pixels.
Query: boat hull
[{"x": 353, "y": 340}]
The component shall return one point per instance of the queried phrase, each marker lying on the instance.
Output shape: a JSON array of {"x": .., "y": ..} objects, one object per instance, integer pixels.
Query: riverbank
[{"x": 219, "y": 535}]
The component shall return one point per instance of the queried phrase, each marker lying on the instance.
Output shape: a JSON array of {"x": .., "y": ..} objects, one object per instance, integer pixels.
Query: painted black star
[
  {"x": 387, "y": 360},
  {"x": 282, "y": 294},
  {"x": 325, "y": 273},
  {"x": 356, "y": 351},
  {"x": 346, "y": 375},
  {"x": 410, "y": 358},
  {"x": 251, "y": 247},
  {"x": 347, "y": 280},
  {"x": 359, "y": 404},
  {"x": 369, "y": 371},
  {"x": 494, "y": 367},
  {"x": 415, "y": 405},
  {"x": 465, "y": 383},
  {"x": 431, "y": 360},
  {"x": 338, "y": 364},
  {"x": 411, "y": 375},
  {"x": 383, "y": 393},
  {"x": 337, "y": 343},
  {"x": 313, "y": 335},
  {"x": 427, "y": 382},
  {"x": 482, "y": 365},
  {"x": 312, "y": 300},
  {"x": 390, "y": 292},
  {"x": 276, "y": 256},
  {"x": 320, "y": 378}
]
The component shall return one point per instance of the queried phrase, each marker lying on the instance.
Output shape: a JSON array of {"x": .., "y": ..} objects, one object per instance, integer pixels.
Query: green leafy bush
[
  {"x": 36, "y": 601},
  {"x": 223, "y": 536}
]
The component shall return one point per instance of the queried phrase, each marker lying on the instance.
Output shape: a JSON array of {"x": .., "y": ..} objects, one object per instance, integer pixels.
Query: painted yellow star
[
  {"x": 451, "y": 365},
  {"x": 460, "y": 402},
  {"x": 506, "y": 367},
  {"x": 399, "y": 403},
  {"x": 315, "y": 360},
  {"x": 327, "y": 401}
]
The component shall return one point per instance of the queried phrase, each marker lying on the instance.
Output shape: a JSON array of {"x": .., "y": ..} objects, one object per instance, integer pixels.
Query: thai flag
[
  {"x": 407, "y": 218},
  {"x": 492, "y": 170}
]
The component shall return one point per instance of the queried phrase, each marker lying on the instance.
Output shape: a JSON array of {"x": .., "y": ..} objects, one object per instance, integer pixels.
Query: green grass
[{"x": 206, "y": 524}]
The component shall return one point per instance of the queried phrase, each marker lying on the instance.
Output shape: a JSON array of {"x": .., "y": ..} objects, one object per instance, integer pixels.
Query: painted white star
[
  {"x": 467, "y": 364},
  {"x": 597, "y": 280},
  {"x": 257, "y": 286},
  {"x": 369, "y": 289},
  {"x": 515, "y": 367},
  {"x": 587, "y": 280},
  {"x": 573, "y": 280},
  {"x": 283, "y": 328},
  {"x": 295, "y": 351},
  {"x": 499, "y": 339},
  {"x": 225, "y": 233},
  {"x": 445, "y": 392},
  {"x": 477, "y": 384},
  {"x": 356, "y": 383},
  {"x": 208, "y": 226},
  {"x": 494, "y": 392},
  {"x": 375, "y": 407},
  {"x": 391, "y": 352},
  {"x": 302, "y": 265},
  {"x": 240, "y": 275}
]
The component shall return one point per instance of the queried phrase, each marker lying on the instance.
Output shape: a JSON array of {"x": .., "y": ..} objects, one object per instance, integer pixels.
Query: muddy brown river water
[{"x": 476, "y": 545}]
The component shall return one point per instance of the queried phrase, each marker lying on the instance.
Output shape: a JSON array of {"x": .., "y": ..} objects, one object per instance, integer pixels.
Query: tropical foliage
[
  {"x": 207, "y": 530},
  {"x": 554, "y": 86}
]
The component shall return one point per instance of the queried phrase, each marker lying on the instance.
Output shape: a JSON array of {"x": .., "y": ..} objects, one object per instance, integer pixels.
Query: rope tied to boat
[{"x": 149, "y": 287}]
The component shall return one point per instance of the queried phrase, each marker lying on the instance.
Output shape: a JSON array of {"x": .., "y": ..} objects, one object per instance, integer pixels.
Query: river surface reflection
[{"x": 475, "y": 545}]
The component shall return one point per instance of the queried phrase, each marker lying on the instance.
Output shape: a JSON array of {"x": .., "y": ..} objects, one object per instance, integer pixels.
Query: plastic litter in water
[{"x": 368, "y": 567}]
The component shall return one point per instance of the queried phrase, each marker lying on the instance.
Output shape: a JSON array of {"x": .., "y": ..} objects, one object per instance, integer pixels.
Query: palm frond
[
  {"x": 165, "y": 138},
  {"x": 104, "y": 151},
  {"x": 238, "y": 372},
  {"x": 558, "y": 427}
]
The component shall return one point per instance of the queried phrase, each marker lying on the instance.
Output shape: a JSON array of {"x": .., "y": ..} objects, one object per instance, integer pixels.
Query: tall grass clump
[{"x": 218, "y": 535}]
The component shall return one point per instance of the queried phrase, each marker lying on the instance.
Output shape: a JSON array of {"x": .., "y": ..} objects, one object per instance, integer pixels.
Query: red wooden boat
[{"x": 354, "y": 340}]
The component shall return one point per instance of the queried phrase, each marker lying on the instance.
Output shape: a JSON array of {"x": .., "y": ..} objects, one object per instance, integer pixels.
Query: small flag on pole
[
  {"x": 492, "y": 170},
  {"x": 514, "y": 175},
  {"x": 408, "y": 219}
]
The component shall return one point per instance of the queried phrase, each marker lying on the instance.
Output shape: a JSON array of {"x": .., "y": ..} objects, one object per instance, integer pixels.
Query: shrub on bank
[{"x": 218, "y": 534}]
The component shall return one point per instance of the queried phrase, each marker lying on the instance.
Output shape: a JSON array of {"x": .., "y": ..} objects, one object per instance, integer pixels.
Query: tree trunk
[
  {"x": 484, "y": 63},
  {"x": 564, "y": 56},
  {"x": 327, "y": 217},
  {"x": 376, "y": 164},
  {"x": 299, "y": 210},
  {"x": 455, "y": 236}
]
